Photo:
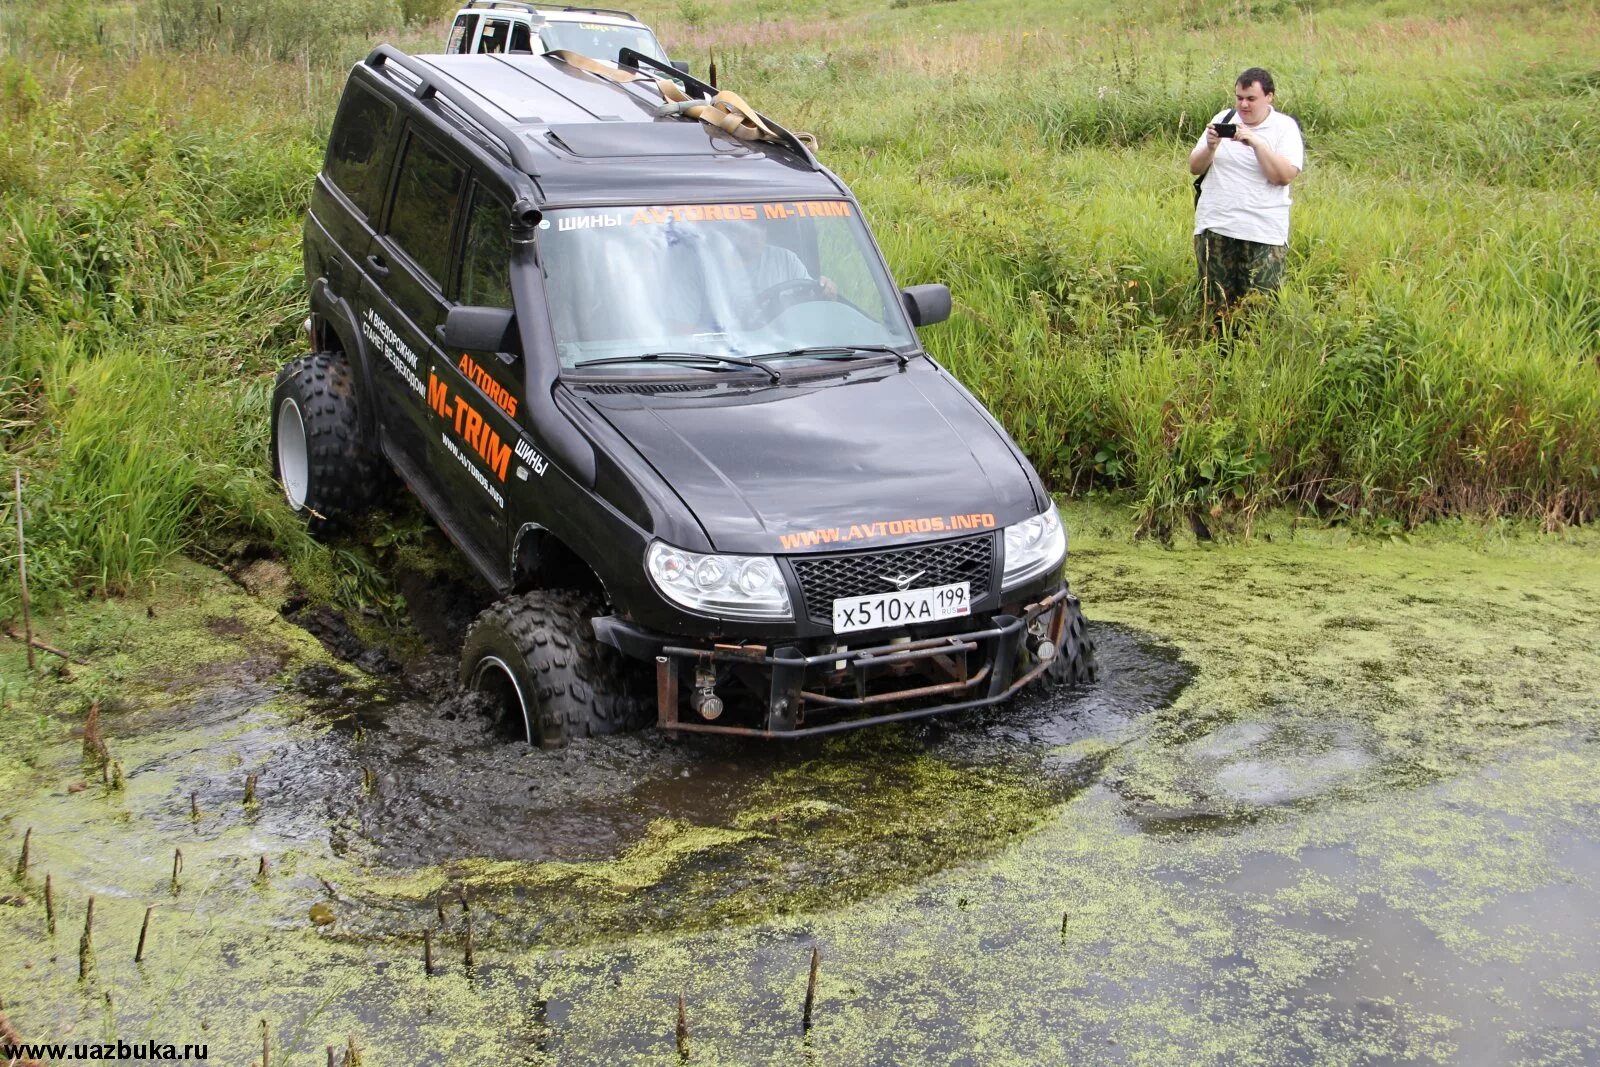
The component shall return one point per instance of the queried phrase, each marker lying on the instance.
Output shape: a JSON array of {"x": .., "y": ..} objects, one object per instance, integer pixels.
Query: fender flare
[{"x": 338, "y": 316}]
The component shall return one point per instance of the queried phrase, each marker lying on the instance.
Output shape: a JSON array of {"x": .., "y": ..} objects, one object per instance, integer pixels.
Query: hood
[{"x": 875, "y": 457}]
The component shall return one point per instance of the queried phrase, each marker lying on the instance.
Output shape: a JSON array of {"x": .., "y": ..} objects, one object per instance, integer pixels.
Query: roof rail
[
  {"x": 430, "y": 84},
  {"x": 536, "y": 8},
  {"x": 601, "y": 11},
  {"x": 629, "y": 59}
]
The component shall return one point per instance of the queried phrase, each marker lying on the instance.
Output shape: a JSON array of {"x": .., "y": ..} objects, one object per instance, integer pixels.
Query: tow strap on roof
[
  {"x": 726, "y": 111},
  {"x": 594, "y": 66}
]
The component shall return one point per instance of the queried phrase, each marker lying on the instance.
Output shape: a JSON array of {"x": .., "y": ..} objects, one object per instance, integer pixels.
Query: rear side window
[
  {"x": 427, "y": 202},
  {"x": 486, "y": 262},
  {"x": 461, "y": 34},
  {"x": 355, "y": 161},
  {"x": 495, "y": 32},
  {"x": 519, "y": 38}
]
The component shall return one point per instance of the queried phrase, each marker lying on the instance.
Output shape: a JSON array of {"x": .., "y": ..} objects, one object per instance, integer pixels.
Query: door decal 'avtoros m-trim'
[
  {"x": 469, "y": 425},
  {"x": 498, "y": 395}
]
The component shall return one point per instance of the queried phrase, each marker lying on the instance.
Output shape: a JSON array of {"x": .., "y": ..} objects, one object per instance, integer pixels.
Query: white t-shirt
[
  {"x": 1236, "y": 200},
  {"x": 776, "y": 266}
]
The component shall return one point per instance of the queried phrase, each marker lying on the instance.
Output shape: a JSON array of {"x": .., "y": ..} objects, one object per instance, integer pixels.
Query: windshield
[
  {"x": 740, "y": 280},
  {"x": 600, "y": 40}
]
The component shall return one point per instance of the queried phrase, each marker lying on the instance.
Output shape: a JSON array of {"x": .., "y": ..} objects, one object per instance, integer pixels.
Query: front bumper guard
[{"x": 790, "y": 701}]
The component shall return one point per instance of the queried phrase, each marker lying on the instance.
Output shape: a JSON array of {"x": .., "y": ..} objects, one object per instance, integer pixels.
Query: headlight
[
  {"x": 1033, "y": 547},
  {"x": 749, "y": 587}
]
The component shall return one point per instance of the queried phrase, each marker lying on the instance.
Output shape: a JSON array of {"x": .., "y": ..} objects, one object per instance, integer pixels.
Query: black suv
[{"x": 654, "y": 381}]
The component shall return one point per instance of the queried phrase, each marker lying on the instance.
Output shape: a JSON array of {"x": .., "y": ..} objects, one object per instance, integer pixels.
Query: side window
[
  {"x": 519, "y": 38},
  {"x": 355, "y": 160},
  {"x": 486, "y": 261},
  {"x": 427, "y": 201},
  {"x": 495, "y": 32},
  {"x": 461, "y": 34}
]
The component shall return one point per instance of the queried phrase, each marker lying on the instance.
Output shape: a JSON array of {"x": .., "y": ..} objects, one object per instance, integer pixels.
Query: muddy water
[
  {"x": 1334, "y": 802},
  {"x": 446, "y": 786}
]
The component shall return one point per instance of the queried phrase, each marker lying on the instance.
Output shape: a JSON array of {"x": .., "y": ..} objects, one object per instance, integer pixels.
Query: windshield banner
[{"x": 657, "y": 216}]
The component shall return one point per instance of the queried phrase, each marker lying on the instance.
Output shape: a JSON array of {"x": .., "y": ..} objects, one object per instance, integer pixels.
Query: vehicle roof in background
[
  {"x": 573, "y": 123},
  {"x": 607, "y": 15},
  {"x": 601, "y": 20}
]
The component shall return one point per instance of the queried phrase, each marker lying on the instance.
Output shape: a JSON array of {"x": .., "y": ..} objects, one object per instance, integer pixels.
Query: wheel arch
[{"x": 542, "y": 560}]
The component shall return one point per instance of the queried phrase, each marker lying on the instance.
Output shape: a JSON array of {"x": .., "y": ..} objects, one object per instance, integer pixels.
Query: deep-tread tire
[
  {"x": 1074, "y": 663},
  {"x": 567, "y": 684},
  {"x": 335, "y": 474}
]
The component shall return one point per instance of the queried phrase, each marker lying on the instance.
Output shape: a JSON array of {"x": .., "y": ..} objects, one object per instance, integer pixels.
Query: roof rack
[
  {"x": 536, "y": 8},
  {"x": 430, "y": 84},
  {"x": 629, "y": 59}
]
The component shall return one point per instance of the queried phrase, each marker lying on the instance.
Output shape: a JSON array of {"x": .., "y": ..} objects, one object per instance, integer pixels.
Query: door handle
[{"x": 378, "y": 266}]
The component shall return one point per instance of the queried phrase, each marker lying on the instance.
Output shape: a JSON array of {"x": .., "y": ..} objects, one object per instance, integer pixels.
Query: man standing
[{"x": 1241, "y": 220}]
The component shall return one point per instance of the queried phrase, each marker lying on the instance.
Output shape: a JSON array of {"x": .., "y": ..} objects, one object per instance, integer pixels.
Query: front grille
[{"x": 825, "y": 578}]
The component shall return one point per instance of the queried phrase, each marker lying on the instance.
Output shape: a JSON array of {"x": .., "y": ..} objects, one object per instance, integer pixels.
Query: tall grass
[
  {"x": 1433, "y": 351},
  {"x": 149, "y": 271},
  {"x": 285, "y": 30}
]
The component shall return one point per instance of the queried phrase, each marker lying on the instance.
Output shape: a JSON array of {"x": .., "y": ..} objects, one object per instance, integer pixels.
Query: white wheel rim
[
  {"x": 294, "y": 468},
  {"x": 495, "y": 663}
]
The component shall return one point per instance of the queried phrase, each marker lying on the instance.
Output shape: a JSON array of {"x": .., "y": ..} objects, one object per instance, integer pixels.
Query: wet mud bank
[{"x": 1335, "y": 800}]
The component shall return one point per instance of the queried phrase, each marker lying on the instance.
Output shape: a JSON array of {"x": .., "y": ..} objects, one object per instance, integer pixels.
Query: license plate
[{"x": 900, "y": 609}]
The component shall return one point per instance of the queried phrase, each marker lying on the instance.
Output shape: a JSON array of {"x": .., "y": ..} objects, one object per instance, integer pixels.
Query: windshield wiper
[
  {"x": 690, "y": 358},
  {"x": 838, "y": 352}
]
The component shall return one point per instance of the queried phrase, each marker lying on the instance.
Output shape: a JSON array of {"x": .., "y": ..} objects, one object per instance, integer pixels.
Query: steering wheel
[{"x": 770, "y": 300}]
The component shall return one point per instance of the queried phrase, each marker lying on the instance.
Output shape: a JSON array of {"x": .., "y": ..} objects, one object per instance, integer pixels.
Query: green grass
[{"x": 1435, "y": 349}]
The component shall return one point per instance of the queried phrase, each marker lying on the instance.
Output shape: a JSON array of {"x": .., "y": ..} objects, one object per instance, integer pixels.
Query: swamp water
[{"x": 1334, "y": 801}]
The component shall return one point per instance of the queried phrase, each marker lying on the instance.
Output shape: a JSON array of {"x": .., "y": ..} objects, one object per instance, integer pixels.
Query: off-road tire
[
  {"x": 1073, "y": 664},
  {"x": 329, "y": 473},
  {"x": 567, "y": 684}
]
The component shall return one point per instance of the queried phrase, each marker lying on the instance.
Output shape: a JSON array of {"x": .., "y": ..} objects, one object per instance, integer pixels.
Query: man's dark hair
[{"x": 1256, "y": 76}]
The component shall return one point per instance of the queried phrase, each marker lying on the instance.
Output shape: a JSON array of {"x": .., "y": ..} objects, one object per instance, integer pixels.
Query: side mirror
[
  {"x": 926, "y": 304},
  {"x": 680, "y": 64},
  {"x": 479, "y": 329}
]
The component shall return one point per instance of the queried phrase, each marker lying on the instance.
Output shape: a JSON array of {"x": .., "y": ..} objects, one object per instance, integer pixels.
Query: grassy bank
[{"x": 1434, "y": 351}]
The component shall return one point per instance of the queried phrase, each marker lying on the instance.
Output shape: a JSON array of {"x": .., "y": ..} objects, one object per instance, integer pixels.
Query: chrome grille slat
[{"x": 825, "y": 578}]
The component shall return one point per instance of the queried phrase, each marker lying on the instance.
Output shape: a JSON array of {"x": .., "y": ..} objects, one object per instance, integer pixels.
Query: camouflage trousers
[{"x": 1230, "y": 268}]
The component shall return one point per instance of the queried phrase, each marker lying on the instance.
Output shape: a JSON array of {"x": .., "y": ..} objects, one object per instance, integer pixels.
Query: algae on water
[{"x": 1355, "y": 821}]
